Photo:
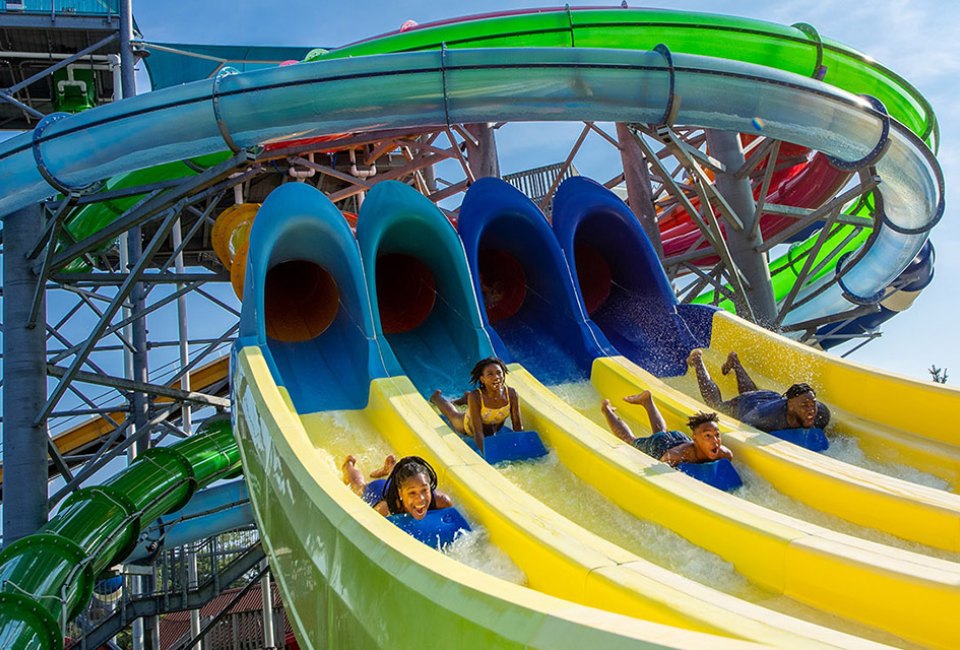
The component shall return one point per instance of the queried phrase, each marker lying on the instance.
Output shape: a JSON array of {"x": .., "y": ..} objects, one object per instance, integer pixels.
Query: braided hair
[
  {"x": 477, "y": 371},
  {"x": 406, "y": 467}
]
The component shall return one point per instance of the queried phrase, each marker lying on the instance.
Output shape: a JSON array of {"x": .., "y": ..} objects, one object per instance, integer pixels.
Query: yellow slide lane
[
  {"x": 352, "y": 579},
  {"x": 906, "y": 594},
  {"x": 912, "y": 512},
  {"x": 559, "y": 557},
  {"x": 895, "y": 419}
]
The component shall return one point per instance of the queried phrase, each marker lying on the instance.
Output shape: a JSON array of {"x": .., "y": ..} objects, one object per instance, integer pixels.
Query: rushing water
[
  {"x": 847, "y": 449},
  {"x": 339, "y": 433}
]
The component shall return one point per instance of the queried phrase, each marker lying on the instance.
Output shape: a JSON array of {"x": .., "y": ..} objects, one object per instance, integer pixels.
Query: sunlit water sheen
[
  {"x": 339, "y": 433},
  {"x": 549, "y": 481},
  {"x": 847, "y": 449},
  {"x": 583, "y": 397}
]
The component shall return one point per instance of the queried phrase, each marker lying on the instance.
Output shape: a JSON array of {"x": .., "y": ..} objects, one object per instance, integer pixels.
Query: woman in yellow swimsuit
[{"x": 490, "y": 404}]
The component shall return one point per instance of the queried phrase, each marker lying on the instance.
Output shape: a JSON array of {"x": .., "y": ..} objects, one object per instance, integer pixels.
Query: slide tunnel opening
[
  {"x": 406, "y": 292},
  {"x": 301, "y": 300},
  {"x": 503, "y": 284},
  {"x": 595, "y": 277}
]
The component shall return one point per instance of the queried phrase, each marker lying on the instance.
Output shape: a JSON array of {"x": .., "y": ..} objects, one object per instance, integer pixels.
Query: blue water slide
[
  {"x": 425, "y": 312},
  {"x": 306, "y": 303},
  {"x": 530, "y": 306},
  {"x": 898, "y": 297},
  {"x": 210, "y": 512},
  {"x": 619, "y": 278}
]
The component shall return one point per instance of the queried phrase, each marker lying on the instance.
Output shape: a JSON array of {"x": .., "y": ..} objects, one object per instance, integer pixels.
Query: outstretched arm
[
  {"x": 473, "y": 405},
  {"x": 616, "y": 424},
  {"x": 645, "y": 399},
  {"x": 515, "y": 410}
]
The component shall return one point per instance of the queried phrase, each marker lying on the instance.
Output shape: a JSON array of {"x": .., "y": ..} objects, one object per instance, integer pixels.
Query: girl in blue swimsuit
[{"x": 490, "y": 404}]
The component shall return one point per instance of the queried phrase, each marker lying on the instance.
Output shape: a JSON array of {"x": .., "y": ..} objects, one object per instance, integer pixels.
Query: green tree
[{"x": 939, "y": 375}]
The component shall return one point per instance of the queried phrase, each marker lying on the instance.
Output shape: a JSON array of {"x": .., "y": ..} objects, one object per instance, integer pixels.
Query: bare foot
[
  {"x": 695, "y": 357},
  {"x": 435, "y": 397},
  {"x": 388, "y": 464},
  {"x": 732, "y": 361},
  {"x": 607, "y": 408},
  {"x": 643, "y": 399},
  {"x": 348, "y": 464}
]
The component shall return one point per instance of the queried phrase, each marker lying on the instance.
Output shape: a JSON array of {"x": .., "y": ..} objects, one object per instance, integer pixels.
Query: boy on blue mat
[
  {"x": 671, "y": 447},
  {"x": 766, "y": 410},
  {"x": 488, "y": 406},
  {"x": 411, "y": 486}
]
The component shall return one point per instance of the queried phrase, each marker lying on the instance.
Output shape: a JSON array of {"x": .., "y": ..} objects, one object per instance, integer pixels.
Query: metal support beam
[
  {"x": 266, "y": 593},
  {"x": 62, "y": 64},
  {"x": 483, "y": 155},
  {"x": 636, "y": 175},
  {"x": 140, "y": 387},
  {"x": 743, "y": 245},
  {"x": 114, "y": 307},
  {"x": 24, "y": 353},
  {"x": 151, "y": 206}
]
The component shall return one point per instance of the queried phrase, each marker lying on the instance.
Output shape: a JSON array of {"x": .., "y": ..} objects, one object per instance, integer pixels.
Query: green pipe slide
[
  {"x": 48, "y": 578},
  {"x": 798, "y": 49},
  {"x": 88, "y": 220}
]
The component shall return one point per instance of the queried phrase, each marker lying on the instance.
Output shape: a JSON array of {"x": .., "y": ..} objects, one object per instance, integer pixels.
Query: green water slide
[
  {"x": 799, "y": 49},
  {"x": 48, "y": 578}
]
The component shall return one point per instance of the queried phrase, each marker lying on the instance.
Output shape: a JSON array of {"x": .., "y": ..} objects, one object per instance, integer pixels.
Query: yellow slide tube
[{"x": 906, "y": 594}]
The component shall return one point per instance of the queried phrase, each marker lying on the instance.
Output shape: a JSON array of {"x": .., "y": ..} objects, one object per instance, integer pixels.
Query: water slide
[
  {"x": 611, "y": 262},
  {"x": 799, "y": 49},
  {"x": 49, "y": 577},
  {"x": 289, "y": 459},
  {"x": 472, "y": 85}
]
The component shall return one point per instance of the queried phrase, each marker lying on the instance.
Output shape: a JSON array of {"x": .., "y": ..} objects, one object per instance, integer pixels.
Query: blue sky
[{"x": 920, "y": 40}]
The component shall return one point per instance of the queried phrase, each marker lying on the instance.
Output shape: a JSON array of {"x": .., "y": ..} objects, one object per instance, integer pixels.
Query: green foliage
[{"x": 939, "y": 375}]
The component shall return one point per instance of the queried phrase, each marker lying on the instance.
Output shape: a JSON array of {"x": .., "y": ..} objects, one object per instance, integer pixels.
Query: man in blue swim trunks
[
  {"x": 766, "y": 410},
  {"x": 671, "y": 447}
]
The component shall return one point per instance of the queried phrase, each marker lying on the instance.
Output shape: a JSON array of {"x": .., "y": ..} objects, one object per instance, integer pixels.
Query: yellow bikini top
[{"x": 494, "y": 416}]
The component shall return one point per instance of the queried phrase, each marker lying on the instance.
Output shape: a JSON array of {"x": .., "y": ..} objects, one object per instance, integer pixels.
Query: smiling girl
[
  {"x": 410, "y": 488},
  {"x": 490, "y": 404}
]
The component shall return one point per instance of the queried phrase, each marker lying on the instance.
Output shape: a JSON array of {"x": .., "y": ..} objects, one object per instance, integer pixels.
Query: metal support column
[
  {"x": 266, "y": 591},
  {"x": 25, "y": 391},
  {"x": 744, "y": 245},
  {"x": 636, "y": 175},
  {"x": 483, "y": 155}
]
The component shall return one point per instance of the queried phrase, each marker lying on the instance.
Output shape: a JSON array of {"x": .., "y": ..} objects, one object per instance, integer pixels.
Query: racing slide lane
[
  {"x": 348, "y": 576},
  {"x": 556, "y": 555},
  {"x": 622, "y": 268},
  {"x": 895, "y": 419},
  {"x": 771, "y": 549}
]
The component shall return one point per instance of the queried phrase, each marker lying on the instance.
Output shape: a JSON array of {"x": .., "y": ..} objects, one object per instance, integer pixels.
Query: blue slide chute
[
  {"x": 530, "y": 306},
  {"x": 425, "y": 310},
  {"x": 619, "y": 278},
  {"x": 305, "y": 302}
]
